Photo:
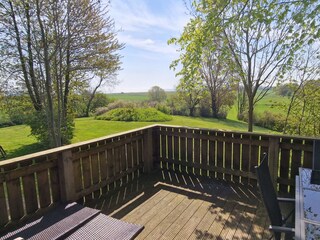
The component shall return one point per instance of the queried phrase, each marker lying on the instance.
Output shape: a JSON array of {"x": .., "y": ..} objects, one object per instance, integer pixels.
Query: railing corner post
[
  {"x": 66, "y": 176},
  {"x": 148, "y": 150},
  {"x": 273, "y": 159}
]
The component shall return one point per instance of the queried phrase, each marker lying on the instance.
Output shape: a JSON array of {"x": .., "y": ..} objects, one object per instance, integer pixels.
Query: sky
[{"x": 145, "y": 27}]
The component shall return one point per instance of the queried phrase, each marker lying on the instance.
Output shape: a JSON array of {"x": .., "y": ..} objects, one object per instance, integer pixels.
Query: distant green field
[
  {"x": 17, "y": 141},
  {"x": 129, "y": 96},
  {"x": 271, "y": 102},
  {"x": 136, "y": 97}
]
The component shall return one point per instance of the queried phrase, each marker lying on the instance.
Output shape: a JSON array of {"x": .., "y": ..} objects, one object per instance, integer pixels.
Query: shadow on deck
[{"x": 179, "y": 206}]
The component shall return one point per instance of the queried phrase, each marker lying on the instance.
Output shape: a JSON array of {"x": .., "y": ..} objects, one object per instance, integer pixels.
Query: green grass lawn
[{"x": 17, "y": 140}]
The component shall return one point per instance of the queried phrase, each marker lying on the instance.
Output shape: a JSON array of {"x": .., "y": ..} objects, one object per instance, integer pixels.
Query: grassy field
[
  {"x": 271, "y": 102},
  {"x": 135, "y": 97},
  {"x": 17, "y": 140}
]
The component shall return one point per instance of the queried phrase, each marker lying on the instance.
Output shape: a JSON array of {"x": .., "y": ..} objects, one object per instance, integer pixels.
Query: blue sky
[{"x": 145, "y": 27}]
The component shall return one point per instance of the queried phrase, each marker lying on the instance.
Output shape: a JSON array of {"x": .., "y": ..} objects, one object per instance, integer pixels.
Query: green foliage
[
  {"x": 120, "y": 104},
  {"x": 17, "y": 109},
  {"x": 304, "y": 117},
  {"x": 242, "y": 33},
  {"x": 286, "y": 89},
  {"x": 135, "y": 114},
  {"x": 177, "y": 106},
  {"x": 270, "y": 120},
  {"x": 157, "y": 94},
  {"x": 79, "y": 103},
  {"x": 51, "y": 50},
  {"x": 38, "y": 123}
]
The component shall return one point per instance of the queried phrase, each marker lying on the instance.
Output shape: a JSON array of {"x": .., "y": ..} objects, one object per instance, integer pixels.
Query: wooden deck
[{"x": 177, "y": 206}]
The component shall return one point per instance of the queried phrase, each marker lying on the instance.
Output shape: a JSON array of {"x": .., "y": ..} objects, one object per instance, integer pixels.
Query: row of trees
[
  {"x": 52, "y": 50},
  {"x": 245, "y": 47}
]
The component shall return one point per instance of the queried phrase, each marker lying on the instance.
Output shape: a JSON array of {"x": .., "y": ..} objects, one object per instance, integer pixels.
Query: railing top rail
[
  {"x": 70, "y": 146},
  {"x": 279, "y": 135}
]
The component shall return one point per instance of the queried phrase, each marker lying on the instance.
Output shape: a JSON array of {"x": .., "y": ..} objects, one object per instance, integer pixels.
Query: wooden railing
[
  {"x": 232, "y": 156},
  {"x": 81, "y": 171},
  {"x": 87, "y": 170}
]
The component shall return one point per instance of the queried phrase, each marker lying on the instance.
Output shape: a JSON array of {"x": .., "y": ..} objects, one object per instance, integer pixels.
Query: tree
[
  {"x": 104, "y": 79},
  {"x": 304, "y": 115},
  {"x": 157, "y": 94},
  {"x": 305, "y": 69},
  {"x": 261, "y": 38},
  {"x": 203, "y": 57},
  {"x": 191, "y": 93},
  {"x": 52, "y": 47}
]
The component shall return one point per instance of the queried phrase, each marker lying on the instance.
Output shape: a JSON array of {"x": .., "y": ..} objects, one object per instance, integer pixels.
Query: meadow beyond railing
[
  {"x": 87, "y": 170},
  {"x": 82, "y": 171}
]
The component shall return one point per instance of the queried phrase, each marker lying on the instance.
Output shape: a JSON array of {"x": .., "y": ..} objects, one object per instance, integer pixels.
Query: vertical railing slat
[
  {"x": 183, "y": 151},
  {"x": 254, "y": 159},
  {"x": 228, "y": 154},
  {"x": 176, "y": 148},
  {"x": 14, "y": 195},
  {"x": 245, "y": 158},
  {"x": 3, "y": 206},
  {"x": 212, "y": 152},
  {"x": 190, "y": 151},
  {"x": 204, "y": 154},
  {"x": 284, "y": 164},
  {"x": 29, "y": 187},
  {"x": 236, "y": 157},
  {"x": 197, "y": 151},
  {"x": 220, "y": 154}
]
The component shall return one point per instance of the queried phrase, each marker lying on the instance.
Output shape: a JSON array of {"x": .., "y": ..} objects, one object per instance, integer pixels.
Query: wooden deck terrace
[
  {"x": 173, "y": 205},
  {"x": 178, "y": 182}
]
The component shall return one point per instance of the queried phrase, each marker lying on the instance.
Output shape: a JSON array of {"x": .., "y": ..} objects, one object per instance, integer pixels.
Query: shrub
[
  {"x": 223, "y": 112},
  {"x": 38, "y": 123},
  {"x": 270, "y": 120},
  {"x": 135, "y": 114},
  {"x": 163, "y": 108},
  {"x": 101, "y": 110},
  {"x": 120, "y": 104}
]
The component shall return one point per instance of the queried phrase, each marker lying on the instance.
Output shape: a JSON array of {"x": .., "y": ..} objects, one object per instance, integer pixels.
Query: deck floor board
[{"x": 180, "y": 206}]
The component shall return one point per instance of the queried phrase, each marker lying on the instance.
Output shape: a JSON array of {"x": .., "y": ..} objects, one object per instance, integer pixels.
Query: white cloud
[
  {"x": 147, "y": 44},
  {"x": 136, "y": 16}
]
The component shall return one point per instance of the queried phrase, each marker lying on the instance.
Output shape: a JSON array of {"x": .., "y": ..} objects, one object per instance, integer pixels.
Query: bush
[
  {"x": 38, "y": 123},
  {"x": 135, "y": 114},
  {"x": 163, "y": 108},
  {"x": 223, "y": 112},
  {"x": 120, "y": 104},
  {"x": 101, "y": 110},
  {"x": 270, "y": 120}
]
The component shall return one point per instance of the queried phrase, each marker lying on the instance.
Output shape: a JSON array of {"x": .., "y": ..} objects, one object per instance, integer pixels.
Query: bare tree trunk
[
  {"x": 289, "y": 108},
  {"x": 30, "y": 59},
  {"x": 191, "y": 113},
  {"x": 250, "y": 115},
  {"x": 92, "y": 97},
  {"x": 22, "y": 59},
  {"x": 48, "y": 81}
]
